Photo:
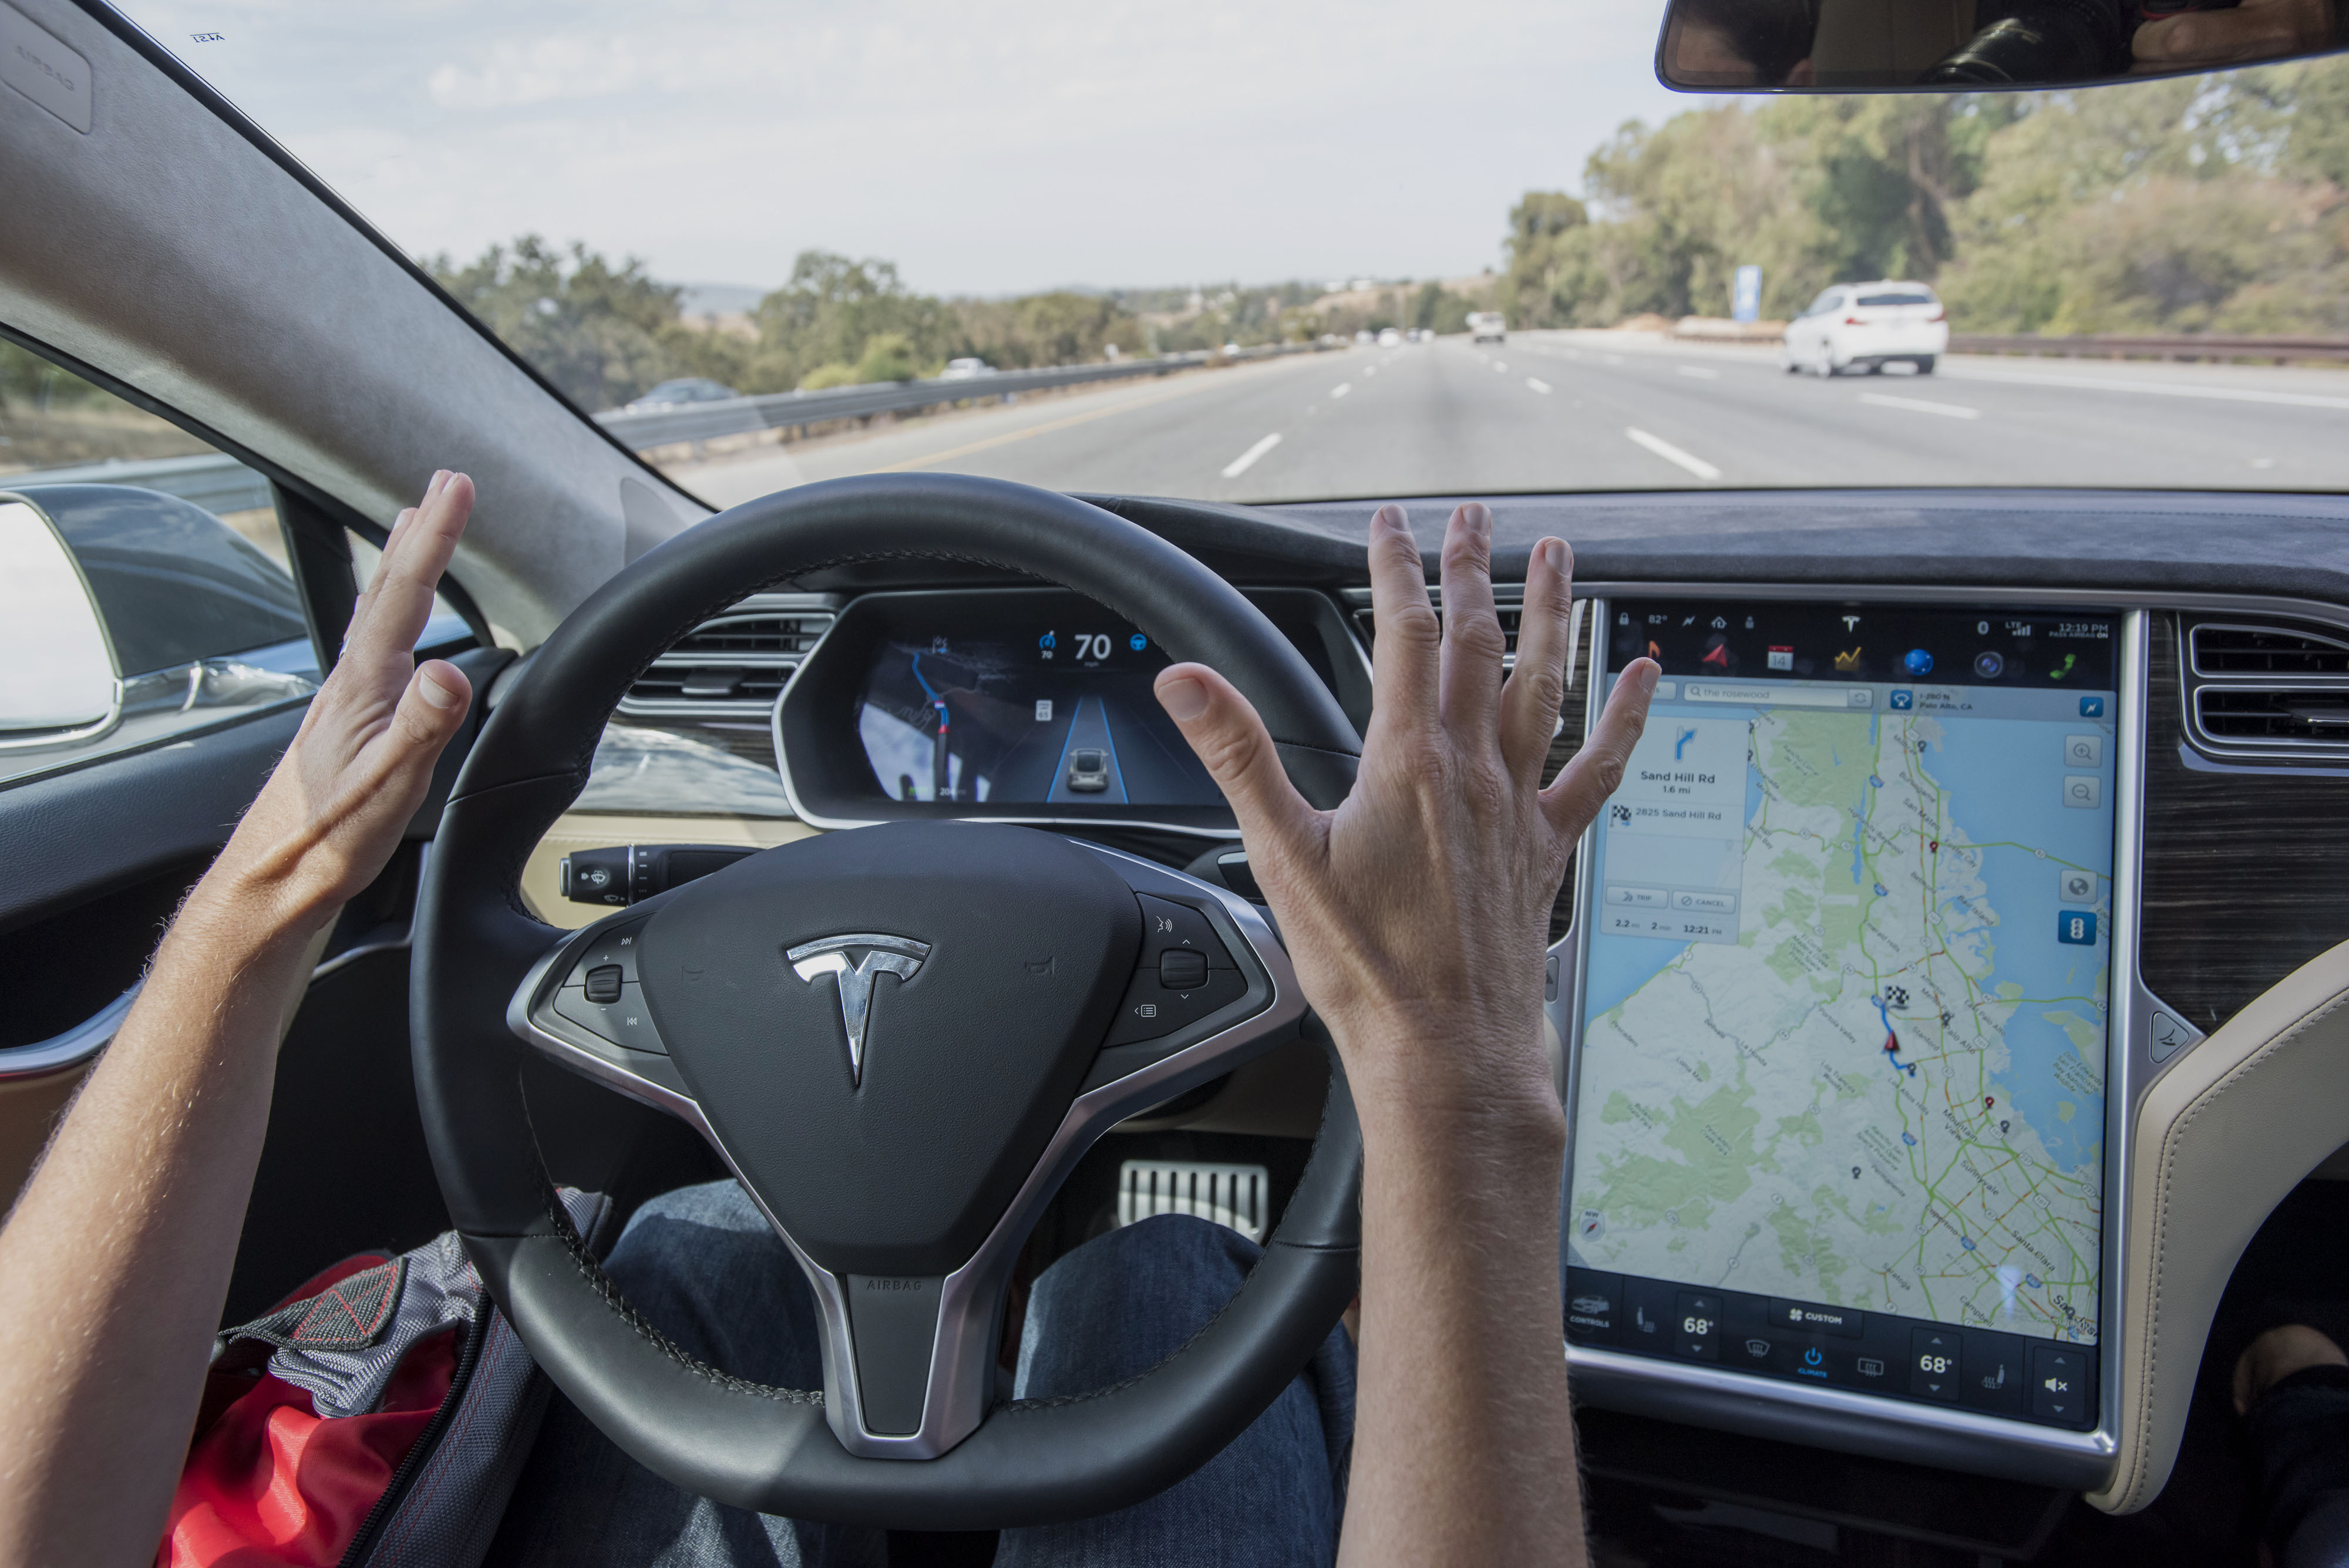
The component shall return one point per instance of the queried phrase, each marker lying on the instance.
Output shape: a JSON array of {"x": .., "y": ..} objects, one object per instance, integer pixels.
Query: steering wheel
[{"x": 902, "y": 1136}]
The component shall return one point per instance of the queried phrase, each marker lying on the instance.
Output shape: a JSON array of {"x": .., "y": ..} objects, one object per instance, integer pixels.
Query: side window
[
  {"x": 1823, "y": 304},
  {"x": 144, "y": 582}
]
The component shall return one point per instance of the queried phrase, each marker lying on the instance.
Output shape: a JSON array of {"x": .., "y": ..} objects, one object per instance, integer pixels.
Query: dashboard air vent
[
  {"x": 2252, "y": 650},
  {"x": 732, "y": 666},
  {"x": 2292, "y": 716},
  {"x": 1509, "y": 614}
]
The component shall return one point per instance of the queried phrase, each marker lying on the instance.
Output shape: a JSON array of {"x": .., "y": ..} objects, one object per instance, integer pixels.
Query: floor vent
[{"x": 1238, "y": 1196}]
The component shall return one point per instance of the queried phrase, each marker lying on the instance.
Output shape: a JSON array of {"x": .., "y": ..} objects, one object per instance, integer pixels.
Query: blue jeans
[{"x": 702, "y": 1264}]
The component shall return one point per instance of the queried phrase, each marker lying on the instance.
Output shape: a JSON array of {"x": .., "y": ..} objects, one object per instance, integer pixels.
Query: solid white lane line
[
  {"x": 1701, "y": 372},
  {"x": 1342, "y": 389},
  {"x": 1920, "y": 405},
  {"x": 1538, "y": 384},
  {"x": 2154, "y": 389},
  {"x": 1671, "y": 453},
  {"x": 1246, "y": 460}
]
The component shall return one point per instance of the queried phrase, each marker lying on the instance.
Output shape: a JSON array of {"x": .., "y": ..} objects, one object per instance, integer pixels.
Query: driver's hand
[
  {"x": 2254, "y": 30},
  {"x": 332, "y": 813},
  {"x": 1417, "y": 913}
]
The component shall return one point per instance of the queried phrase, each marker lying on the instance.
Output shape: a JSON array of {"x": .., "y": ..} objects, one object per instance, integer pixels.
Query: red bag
[{"x": 379, "y": 1415}]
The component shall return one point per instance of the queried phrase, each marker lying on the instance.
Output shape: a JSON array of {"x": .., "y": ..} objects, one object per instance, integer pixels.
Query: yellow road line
[{"x": 1010, "y": 436}]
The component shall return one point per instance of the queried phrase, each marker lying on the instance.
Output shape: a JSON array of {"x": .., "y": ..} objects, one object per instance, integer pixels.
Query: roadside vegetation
[{"x": 2202, "y": 204}]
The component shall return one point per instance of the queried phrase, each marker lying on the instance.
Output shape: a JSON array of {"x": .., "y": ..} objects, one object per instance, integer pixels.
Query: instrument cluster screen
[
  {"x": 1839, "y": 1096},
  {"x": 1057, "y": 712}
]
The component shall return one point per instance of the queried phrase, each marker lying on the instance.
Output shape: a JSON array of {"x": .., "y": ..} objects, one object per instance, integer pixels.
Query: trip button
[
  {"x": 1166, "y": 924},
  {"x": 625, "y": 1021},
  {"x": 1696, "y": 1327},
  {"x": 1152, "y": 1010},
  {"x": 2059, "y": 1385},
  {"x": 1933, "y": 1364}
]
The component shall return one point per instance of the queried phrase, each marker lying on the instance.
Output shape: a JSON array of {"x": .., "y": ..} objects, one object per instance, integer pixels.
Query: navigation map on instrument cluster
[{"x": 1845, "y": 1013}]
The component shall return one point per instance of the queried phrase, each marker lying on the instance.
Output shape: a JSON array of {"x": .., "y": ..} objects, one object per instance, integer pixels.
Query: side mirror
[
  {"x": 1971, "y": 46},
  {"x": 58, "y": 683}
]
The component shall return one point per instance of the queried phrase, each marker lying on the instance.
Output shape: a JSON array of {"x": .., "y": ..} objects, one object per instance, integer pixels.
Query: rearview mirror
[
  {"x": 1960, "y": 45},
  {"x": 57, "y": 681}
]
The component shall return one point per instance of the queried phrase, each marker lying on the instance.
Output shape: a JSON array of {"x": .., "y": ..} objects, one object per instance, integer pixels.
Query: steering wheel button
[
  {"x": 1168, "y": 925},
  {"x": 604, "y": 983},
  {"x": 624, "y": 1021},
  {"x": 1179, "y": 969},
  {"x": 1152, "y": 1010},
  {"x": 616, "y": 946}
]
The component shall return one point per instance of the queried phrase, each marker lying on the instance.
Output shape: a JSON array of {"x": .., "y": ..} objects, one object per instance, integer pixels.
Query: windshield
[{"x": 1316, "y": 251}]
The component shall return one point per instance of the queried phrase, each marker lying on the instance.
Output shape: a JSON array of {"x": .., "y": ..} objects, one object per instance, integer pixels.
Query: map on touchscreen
[{"x": 1845, "y": 1004}]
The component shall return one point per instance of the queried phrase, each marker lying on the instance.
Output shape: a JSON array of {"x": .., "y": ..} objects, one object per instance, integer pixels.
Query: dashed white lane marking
[
  {"x": 1246, "y": 460},
  {"x": 1537, "y": 383},
  {"x": 1342, "y": 389},
  {"x": 1920, "y": 406},
  {"x": 1369, "y": 370},
  {"x": 1701, "y": 372},
  {"x": 1611, "y": 358},
  {"x": 1497, "y": 365},
  {"x": 1673, "y": 454}
]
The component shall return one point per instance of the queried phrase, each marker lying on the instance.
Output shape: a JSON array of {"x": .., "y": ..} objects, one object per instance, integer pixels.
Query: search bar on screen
[{"x": 1751, "y": 694}]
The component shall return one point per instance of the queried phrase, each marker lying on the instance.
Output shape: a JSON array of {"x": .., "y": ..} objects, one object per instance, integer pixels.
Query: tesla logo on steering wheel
[{"x": 900, "y": 956}]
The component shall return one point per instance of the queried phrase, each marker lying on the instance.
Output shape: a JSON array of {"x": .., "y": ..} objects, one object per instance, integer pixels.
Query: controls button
[
  {"x": 2084, "y": 751},
  {"x": 1180, "y": 969},
  {"x": 1166, "y": 924},
  {"x": 626, "y": 1022},
  {"x": 2059, "y": 1385},
  {"x": 1803, "y": 1317},
  {"x": 2073, "y": 886},
  {"x": 1592, "y": 1300},
  {"x": 1637, "y": 897},
  {"x": 1151, "y": 1011},
  {"x": 1933, "y": 1360},
  {"x": 1994, "y": 1372},
  {"x": 1712, "y": 903},
  {"x": 617, "y": 945},
  {"x": 2076, "y": 928},
  {"x": 2083, "y": 792},
  {"x": 604, "y": 983},
  {"x": 1696, "y": 1326}
]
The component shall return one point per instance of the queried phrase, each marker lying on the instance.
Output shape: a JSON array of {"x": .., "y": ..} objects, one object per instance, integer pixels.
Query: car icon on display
[
  {"x": 1088, "y": 770},
  {"x": 1591, "y": 1306}
]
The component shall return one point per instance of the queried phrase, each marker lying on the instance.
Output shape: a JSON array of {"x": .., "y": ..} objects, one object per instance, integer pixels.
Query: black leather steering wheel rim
[{"x": 714, "y": 1435}]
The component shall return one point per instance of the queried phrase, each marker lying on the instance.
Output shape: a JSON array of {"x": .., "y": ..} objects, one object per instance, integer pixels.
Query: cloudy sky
[{"x": 987, "y": 146}]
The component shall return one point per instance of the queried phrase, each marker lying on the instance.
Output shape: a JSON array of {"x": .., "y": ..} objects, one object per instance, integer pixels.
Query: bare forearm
[
  {"x": 1464, "y": 1445},
  {"x": 116, "y": 1261}
]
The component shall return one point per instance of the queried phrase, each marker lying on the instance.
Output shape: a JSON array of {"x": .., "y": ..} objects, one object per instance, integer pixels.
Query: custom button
[
  {"x": 616, "y": 946},
  {"x": 2083, "y": 792},
  {"x": 604, "y": 983},
  {"x": 2059, "y": 1384},
  {"x": 1696, "y": 1326},
  {"x": 1166, "y": 924},
  {"x": 1180, "y": 969},
  {"x": 1934, "y": 1363},
  {"x": 625, "y": 1022},
  {"x": 1803, "y": 1317},
  {"x": 1151, "y": 1011},
  {"x": 1992, "y": 1379},
  {"x": 2084, "y": 751}
]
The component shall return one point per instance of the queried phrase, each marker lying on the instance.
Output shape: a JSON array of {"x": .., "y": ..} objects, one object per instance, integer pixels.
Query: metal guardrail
[
  {"x": 2153, "y": 346},
  {"x": 741, "y": 416},
  {"x": 214, "y": 481}
]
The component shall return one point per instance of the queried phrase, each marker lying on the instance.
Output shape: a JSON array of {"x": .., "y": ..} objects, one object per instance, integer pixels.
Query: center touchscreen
[{"x": 1838, "y": 1105}]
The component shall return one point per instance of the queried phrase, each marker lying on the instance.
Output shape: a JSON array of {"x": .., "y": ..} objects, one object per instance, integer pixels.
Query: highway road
[{"x": 1614, "y": 411}]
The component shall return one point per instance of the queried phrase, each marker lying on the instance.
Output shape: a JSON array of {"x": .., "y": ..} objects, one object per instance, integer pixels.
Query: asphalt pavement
[{"x": 1614, "y": 411}]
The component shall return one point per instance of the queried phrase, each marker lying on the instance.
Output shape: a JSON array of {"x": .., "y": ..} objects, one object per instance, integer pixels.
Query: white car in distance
[
  {"x": 1488, "y": 327},
  {"x": 1390, "y": 338},
  {"x": 1869, "y": 326},
  {"x": 965, "y": 370}
]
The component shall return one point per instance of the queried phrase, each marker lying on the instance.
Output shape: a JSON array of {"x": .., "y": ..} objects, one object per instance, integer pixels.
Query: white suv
[{"x": 1871, "y": 325}]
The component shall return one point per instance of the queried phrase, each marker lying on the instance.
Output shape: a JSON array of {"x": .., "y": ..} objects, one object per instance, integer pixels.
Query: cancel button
[{"x": 1812, "y": 1319}]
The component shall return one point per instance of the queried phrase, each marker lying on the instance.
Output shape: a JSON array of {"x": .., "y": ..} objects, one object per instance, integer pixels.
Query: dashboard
[{"x": 1850, "y": 983}]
